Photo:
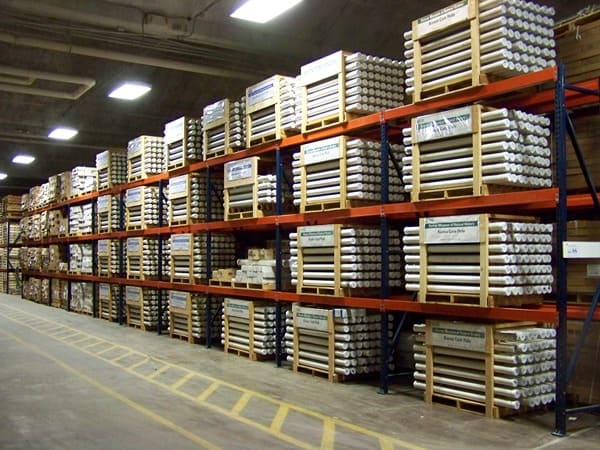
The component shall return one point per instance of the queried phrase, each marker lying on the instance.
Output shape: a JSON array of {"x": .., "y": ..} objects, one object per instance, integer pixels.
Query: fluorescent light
[
  {"x": 23, "y": 159},
  {"x": 262, "y": 11},
  {"x": 129, "y": 91},
  {"x": 63, "y": 134},
  {"x": 3, "y": 176}
]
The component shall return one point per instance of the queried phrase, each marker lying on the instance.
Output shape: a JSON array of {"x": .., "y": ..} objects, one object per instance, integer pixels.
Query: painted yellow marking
[
  {"x": 208, "y": 391},
  {"x": 157, "y": 372},
  {"x": 106, "y": 350},
  {"x": 184, "y": 379},
  {"x": 328, "y": 439},
  {"x": 275, "y": 427},
  {"x": 385, "y": 444},
  {"x": 241, "y": 403},
  {"x": 117, "y": 396},
  {"x": 79, "y": 341},
  {"x": 93, "y": 344},
  {"x": 123, "y": 356},
  {"x": 277, "y": 423}
]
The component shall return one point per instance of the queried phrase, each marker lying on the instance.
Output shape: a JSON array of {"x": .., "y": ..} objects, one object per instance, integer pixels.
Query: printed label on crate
[
  {"x": 175, "y": 127},
  {"x": 441, "y": 19},
  {"x": 178, "y": 299},
  {"x": 239, "y": 170},
  {"x": 261, "y": 92},
  {"x": 104, "y": 290},
  {"x": 133, "y": 196},
  {"x": 102, "y": 159},
  {"x": 593, "y": 270},
  {"x": 316, "y": 236},
  {"x": 321, "y": 151},
  {"x": 181, "y": 242},
  {"x": 452, "y": 229},
  {"x": 103, "y": 203},
  {"x": 463, "y": 336},
  {"x": 322, "y": 68},
  {"x": 214, "y": 112},
  {"x": 103, "y": 247},
  {"x": 581, "y": 249},
  {"x": 237, "y": 308},
  {"x": 311, "y": 318},
  {"x": 134, "y": 245},
  {"x": 133, "y": 293},
  {"x": 444, "y": 124},
  {"x": 178, "y": 185}
]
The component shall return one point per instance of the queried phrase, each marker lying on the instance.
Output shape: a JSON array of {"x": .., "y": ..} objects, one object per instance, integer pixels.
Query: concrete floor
[{"x": 69, "y": 381}]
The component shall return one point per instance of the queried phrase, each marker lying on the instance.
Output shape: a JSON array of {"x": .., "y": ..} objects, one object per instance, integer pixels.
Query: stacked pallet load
[
  {"x": 145, "y": 157},
  {"x": 57, "y": 258},
  {"x": 248, "y": 194},
  {"x": 10, "y": 233},
  {"x": 144, "y": 257},
  {"x": 81, "y": 219},
  {"x": 141, "y": 307},
  {"x": 83, "y": 180},
  {"x": 475, "y": 150},
  {"x": 108, "y": 301},
  {"x": 249, "y": 328},
  {"x": 32, "y": 290},
  {"x": 80, "y": 258},
  {"x": 496, "y": 369},
  {"x": 340, "y": 343},
  {"x": 257, "y": 271},
  {"x": 337, "y": 86},
  {"x": 30, "y": 228},
  {"x": 342, "y": 172},
  {"x": 271, "y": 112},
  {"x": 341, "y": 260},
  {"x": 188, "y": 263},
  {"x": 108, "y": 213},
  {"x": 471, "y": 42},
  {"x": 191, "y": 201},
  {"x": 64, "y": 183},
  {"x": 57, "y": 223},
  {"x": 30, "y": 258},
  {"x": 480, "y": 259},
  {"x": 82, "y": 295},
  {"x": 190, "y": 314},
  {"x": 59, "y": 293},
  {"x": 53, "y": 189},
  {"x": 183, "y": 142},
  {"x": 111, "y": 166},
  {"x": 108, "y": 257},
  {"x": 10, "y": 207},
  {"x": 143, "y": 208},
  {"x": 224, "y": 127}
]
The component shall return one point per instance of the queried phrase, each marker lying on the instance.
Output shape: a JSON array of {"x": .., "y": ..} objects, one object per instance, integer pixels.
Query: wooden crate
[
  {"x": 180, "y": 142},
  {"x": 138, "y": 308},
  {"x": 578, "y": 45},
  {"x": 107, "y": 266},
  {"x": 182, "y": 249},
  {"x": 107, "y": 219},
  {"x": 10, "y": 207},
  {"x": 109, "y": 174},
  {"x": 180, "y": 316},
  {"x": 262, "y": 99},
  {"x": 216, "y": 121},
  {"x": 475, "y": 343},
  {"x": 138, "y": 208},
  {"x": 108, "y": 301},
  {"x": 239, "y": 336},
  {"x": 183, "y": 209},
  {"x": 139, "y": 151}
]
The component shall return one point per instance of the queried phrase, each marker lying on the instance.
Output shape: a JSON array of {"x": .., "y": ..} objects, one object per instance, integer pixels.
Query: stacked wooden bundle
[
  {"x": 145, "y": 157},
  {"x": 142, "y": 207},
  {"x": 81, "y": 219},
  {"x": 224, "y": 125},
  {"x": 183, "y": 142},
  {"x": 188, "y": 199},
  {"x": 111, "y": 166},
  {"x": 82, "y": 294},
  {"x": 189, "y": 314},
  {"x": 108, "y": 210},
  {"x": 188, "y": 262},
  {"x": 143, "y": 257},
  {"x": 83, "y": 180}
]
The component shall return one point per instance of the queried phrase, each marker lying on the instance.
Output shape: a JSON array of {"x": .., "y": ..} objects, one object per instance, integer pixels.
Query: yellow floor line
[
  {"x": 157, "y": 372},
  {"x": 280, "y": 417},
  {"x": 328, "y": 439},
  {"x": 79, "y": 341},
  {"x": 385, "y": 444},
  {"x": 138, "y": 364},
  {"x": 117, "y": 396},
  {"x": 241, "y": 403},
  {"x": 106, "y": 350},
  {"x": 208, "y": 391},
  {"x": 87, "y": 347},
  {"x": 184, "y": 379},
  {"x": 123, "y": 356}
]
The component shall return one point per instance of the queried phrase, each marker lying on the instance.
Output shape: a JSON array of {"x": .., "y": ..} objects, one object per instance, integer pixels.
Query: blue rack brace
[
  {"x": 385, "y": 255},
  {"x": 278, "y": 261}
]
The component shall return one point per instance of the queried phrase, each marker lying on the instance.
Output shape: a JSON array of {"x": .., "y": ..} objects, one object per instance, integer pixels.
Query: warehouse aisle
[{"x": 70, "y": 381}]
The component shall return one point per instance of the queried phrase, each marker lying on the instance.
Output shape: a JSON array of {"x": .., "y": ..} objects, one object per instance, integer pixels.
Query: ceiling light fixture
[
  {"x": 262, "y": 11},
  {"x": 130, "y": 91},
  {"x": 23, "y": 159},
  {"x": 3, "y": 176},
  {"x": 64, "y": 134}
]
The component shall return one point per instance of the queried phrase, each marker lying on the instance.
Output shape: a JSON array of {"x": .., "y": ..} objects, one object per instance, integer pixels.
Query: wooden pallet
[
  {"x": 222, "y": 283},
  {"x": 257, "y": 286},
  {"x": 492, "y": 300}
]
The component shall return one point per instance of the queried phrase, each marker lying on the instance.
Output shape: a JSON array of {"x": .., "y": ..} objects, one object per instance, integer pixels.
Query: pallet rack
[{"x": 528, "y": 202}]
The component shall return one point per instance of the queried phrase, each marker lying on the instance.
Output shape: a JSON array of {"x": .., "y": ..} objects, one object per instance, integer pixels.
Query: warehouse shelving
[
  {"x": 11, "y": 247},
  {"x": 533, "y": 91}
]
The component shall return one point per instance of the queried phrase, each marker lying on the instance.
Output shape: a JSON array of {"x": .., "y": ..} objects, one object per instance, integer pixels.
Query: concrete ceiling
[{"x": 190, "y": 51}]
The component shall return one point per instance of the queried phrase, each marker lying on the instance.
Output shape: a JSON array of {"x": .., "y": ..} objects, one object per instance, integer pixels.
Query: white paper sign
[
  {"x": 103, "y": 247},
  {"x": 260, "y": 92},
  {"x": 458, "y": 335},
  {"x": 316, "y": 236},
  {"x": 322, "y": 68},
  {"x": 214, "y": 112},
  {"x": 181, "y": 242},
  {"x": 441, "y": 19},
  {"x": 134, "y": 245},
  {"x": 581, "y": 249},
  {"x": 178, "y": 185},
  {"x": 444, "y": 124},
  {"x": 452, "y": 229},
  {"x": 103, "y": 203},
  {"x": 321, "y": 151},
  {"x": 239, "y": 170},
  {"x": 237, "y": 308},
  {"x": 134, "y": 195},
  {"x": 102, "y": 158},
  {"x": 104, "y": 290},
  {"x": 311, "y": 318},
  {"x": 178, "y": 299},
  {"x": 133, "y": 293}
]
